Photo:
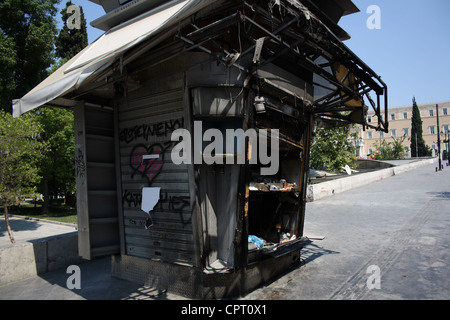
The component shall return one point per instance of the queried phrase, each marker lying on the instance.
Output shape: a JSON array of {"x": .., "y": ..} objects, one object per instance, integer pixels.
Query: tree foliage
[
  {"x": 418, "y": 146},
  {"x": 20, "y": 153},
  {"x": 332, "y": 149},
  {"x": 71, "y": 41},
  {"x": 27, "y": 37},
  {"x": 8, "y": 64},
  {"x": 391, "y": 150},
  {"x": 57, "y": 166}
]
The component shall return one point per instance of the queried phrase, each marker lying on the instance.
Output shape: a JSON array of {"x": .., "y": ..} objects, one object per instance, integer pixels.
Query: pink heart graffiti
[{"x": 147, "y": 168}]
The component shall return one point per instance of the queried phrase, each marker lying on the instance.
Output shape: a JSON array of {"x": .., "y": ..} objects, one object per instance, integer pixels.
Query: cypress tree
[
  {"x": 71, "y": 41},
  {"x": 418, "y": 147}
]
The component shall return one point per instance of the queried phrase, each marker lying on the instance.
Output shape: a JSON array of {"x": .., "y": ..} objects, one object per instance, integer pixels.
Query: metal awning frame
[
  {"x": 304, "y": 47},
  {"x": 294, "y": 34}
]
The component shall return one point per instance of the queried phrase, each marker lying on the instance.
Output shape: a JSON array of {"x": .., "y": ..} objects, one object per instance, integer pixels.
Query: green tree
[
  {"x": 57, "y": 167},
  {"x": 20, "y": 153},
  {"x": 332, "y": 149},
  {"x": 8, "y": 64},
  {"x": 391, "y": 150},
  {"x": 70, "y": 40},
  {"x": 27, "y": 37},
  {"x": 418, "y": 146}
]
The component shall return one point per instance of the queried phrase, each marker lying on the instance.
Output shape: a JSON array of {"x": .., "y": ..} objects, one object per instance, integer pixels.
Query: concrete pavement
[
  {"x": 395, "y": 227},
  {"x": 26, "y": 230}
]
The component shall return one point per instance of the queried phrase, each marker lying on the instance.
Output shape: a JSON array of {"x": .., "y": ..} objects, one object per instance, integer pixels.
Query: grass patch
[{"x": 59, "y": 211}]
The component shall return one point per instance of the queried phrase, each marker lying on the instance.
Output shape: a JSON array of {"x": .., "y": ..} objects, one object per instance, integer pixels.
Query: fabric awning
[{"x": 105, "y": 50}]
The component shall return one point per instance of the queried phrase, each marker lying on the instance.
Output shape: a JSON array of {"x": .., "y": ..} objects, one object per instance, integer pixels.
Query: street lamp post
[
  {"x": 439, "y": 137},
  {"x": 447, "y": 146}
]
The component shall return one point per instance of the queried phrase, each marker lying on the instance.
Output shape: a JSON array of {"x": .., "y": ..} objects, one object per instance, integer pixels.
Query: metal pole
[
  {"x": 439, "y": 137},
  {"x": 447, "y": 146}
]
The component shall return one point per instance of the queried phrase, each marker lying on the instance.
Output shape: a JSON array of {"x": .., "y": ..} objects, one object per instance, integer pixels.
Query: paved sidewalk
[
  {"x": 400, "y": 225},
  {"x": 96, "y": 284},
  {"x": 397, "y": 227},
  {"x": 25, "y": 230}
]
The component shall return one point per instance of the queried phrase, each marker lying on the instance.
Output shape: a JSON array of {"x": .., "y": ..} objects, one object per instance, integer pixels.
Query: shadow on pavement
[
  {"x": 98, "y": 284},
  {"x": 17, "y": 225}
]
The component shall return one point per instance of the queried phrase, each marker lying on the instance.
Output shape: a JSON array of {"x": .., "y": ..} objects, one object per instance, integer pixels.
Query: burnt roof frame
[{"x": 303, "y": 47}]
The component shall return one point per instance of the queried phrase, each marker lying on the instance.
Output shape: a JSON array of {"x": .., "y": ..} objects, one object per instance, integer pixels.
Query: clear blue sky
[{"x": 411, "y": 51}]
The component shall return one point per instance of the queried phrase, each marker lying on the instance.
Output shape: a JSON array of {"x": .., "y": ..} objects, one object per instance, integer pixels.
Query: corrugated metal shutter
[{"x": 147, "y": 119}]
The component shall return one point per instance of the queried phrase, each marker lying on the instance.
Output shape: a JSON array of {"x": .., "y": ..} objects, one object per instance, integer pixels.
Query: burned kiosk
[{"x": 170, "y": 77}]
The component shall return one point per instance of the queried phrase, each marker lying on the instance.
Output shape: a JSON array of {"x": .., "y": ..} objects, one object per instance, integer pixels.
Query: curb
[
  {"x": 329, "y": 188},
  {"x": 44, "y": 220}
]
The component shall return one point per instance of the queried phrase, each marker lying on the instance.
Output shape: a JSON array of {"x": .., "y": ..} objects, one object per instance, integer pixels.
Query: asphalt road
[{"x": 386, "y": 241}]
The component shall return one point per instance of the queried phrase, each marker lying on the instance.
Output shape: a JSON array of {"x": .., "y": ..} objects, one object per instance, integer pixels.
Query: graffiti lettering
[
  {"x": 136, "y": 223},
  {"x": 132, "y": 198},
  {"x": 80, "y": 165},
  {"x": 146, "y": 131},
  {"x": 176, "y": 203}
]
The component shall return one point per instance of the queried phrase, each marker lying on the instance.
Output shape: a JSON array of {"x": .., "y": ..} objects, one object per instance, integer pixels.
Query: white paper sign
[{"x": 150, "y": 197}]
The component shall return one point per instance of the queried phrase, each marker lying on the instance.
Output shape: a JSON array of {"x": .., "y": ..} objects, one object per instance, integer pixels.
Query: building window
[
  {"x": 445, "y": 128},
  {"x": 405, "y": 115},
  {"x": 431, "y": 112},
  {"x": 433, "y": 147},
  {"x": 432, "y": 129},
  {"x": 445, "y": 111},
  {"x": 369, "y": 119},
  {"x": 394, "y": 133},
  {"x": 392, "y": 116},
  {"x": 369, "y": 135},
  {"x": 406, "y": 132},
  {"x": 382, "y": 134}
]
